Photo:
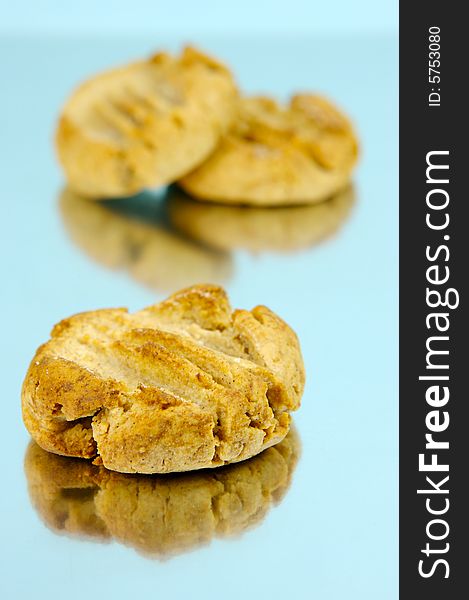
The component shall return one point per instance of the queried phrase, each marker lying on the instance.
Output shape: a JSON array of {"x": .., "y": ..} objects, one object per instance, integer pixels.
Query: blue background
[
  {"x": 203, "y": 16},
  {"x": 335, "y": 533}
]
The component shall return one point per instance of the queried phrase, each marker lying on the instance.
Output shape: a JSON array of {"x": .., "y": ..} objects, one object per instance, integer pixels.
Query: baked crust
[
  {"x": 275, "y": 155},
  {"x": 144, "y": 124},
  {"x": 181, "y": 385},
  {"x": 159, "y": 516},
  {"x": 283, "y": 229}
]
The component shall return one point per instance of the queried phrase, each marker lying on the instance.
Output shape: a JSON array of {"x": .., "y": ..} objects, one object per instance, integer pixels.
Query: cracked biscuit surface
[
  {"x": 185, "y": 384},
  {"x": 276, "y": 155},
  {"x": 145, "y": 124}
]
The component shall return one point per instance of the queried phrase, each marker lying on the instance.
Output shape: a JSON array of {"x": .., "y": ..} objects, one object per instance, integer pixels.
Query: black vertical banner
[{"x": 434, "y": 261}]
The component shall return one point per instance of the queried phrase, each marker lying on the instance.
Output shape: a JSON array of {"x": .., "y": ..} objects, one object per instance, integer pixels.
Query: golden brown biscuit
[
  {"x": 280, "y": 229},
  {"x": 113, "y": 234},
  {"x": 275, "y": 155},
  {"x": 145, "y": 124},
  {"x": 159, "y": 516},
  {"x": 181, "y": 385}
]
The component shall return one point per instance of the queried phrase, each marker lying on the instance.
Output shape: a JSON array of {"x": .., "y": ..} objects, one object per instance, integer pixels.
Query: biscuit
[
  {"x": 184, "y": 384},
  {"x": 144, "y": 124},
  {"x": 132, "y": 236},
  {"x": 258, "y": 229},
  {"x": 159, "y": 516},
  {"x": 275, "y": 155}
]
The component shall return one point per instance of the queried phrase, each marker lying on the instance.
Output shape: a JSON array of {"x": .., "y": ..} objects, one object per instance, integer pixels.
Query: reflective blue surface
[{"x": 334, "y": 533}]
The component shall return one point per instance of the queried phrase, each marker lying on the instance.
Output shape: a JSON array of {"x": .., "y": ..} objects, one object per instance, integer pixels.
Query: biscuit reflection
[
  {"x": 280, "y": 229},
  {"x": 133, "y": 235},
  {"x": 160, "y": 516}
]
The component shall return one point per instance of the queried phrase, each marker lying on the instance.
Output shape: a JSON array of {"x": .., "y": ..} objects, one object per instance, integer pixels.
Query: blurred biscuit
[
  {"x": 276, "y": 155},
  {"x": 181, "y": 385},
  {"x": 280, "y": 229},
  {"x": 144, "y": 124},
  {"x": 158, "y": 516},
  {"x": 131, "y": 235}
]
